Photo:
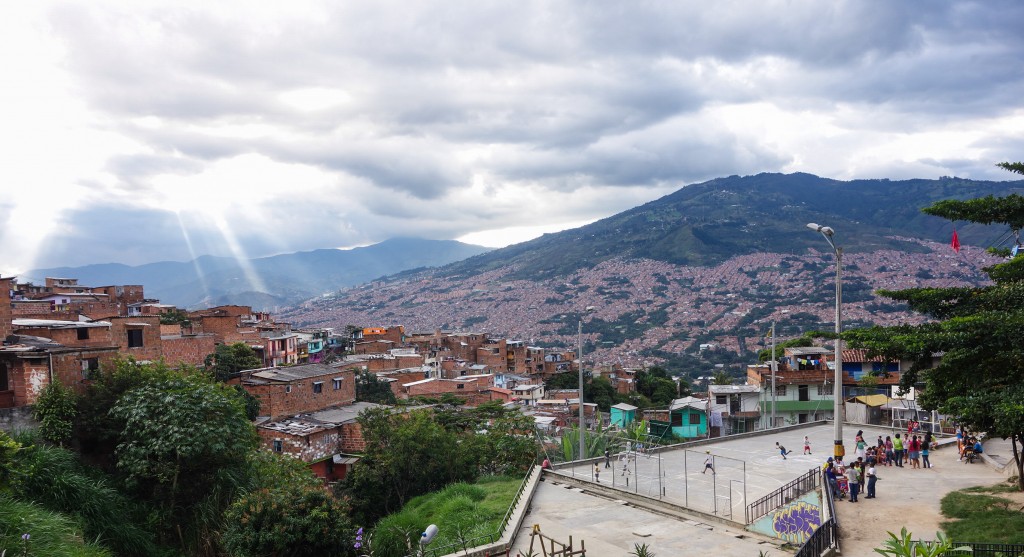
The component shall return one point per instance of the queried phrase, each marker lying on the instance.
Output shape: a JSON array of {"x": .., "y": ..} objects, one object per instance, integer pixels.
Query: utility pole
[
  {"x": 580, "y": 353},
  {"x": 775, "y": 366}
]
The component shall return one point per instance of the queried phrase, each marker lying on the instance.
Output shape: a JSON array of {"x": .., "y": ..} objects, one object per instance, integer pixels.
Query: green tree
[
  {"x": 55, "y": 410},
  {"x": 601, "y": 391},
  {"x": 99, "y": 431},
  {"x": 298, "y": 523},
  {"x": 184, "y": 447},
  {"x": 562, "y": 381},
  {"x": 503, "y": 440},
  {"x": 657, "y": 385},
  {"x": 370, "y": 388},
  {"x": 721, "y": 378},
  {"x": 980, "y": 379},
  {"x": 406, "y": 455},
  {"x": 175, "y": 317},
  {"x": 229, "y": 359}
]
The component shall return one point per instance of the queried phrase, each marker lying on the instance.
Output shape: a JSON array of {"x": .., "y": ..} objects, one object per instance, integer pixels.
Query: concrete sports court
[{"x": 610, "y": 525}]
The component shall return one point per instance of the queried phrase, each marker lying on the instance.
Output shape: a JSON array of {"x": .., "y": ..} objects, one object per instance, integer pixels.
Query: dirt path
[{"x": 907, "y": 497}]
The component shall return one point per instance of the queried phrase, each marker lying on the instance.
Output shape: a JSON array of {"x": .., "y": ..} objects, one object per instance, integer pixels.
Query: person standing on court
[
  {"x": 597, "y": 473},
  {"x": 853, "y": 480},
  {"x": 709, "y": 463},
  {"x": 807, "y": 445},
  {"x": 871, "y": 480},
  {"x": 607, "y": 458},
  {"x": 897, "y": 446}
]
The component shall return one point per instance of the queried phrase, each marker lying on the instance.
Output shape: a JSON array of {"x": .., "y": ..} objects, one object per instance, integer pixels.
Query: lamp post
[
  {"x": 580, "y": 357},
  {"x": 828, "y": 233}
]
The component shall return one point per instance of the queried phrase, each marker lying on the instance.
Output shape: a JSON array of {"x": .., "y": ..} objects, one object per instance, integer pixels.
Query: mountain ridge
[
  {"x": 286, "y": 278},
  {"x": 709, "y": 263}
]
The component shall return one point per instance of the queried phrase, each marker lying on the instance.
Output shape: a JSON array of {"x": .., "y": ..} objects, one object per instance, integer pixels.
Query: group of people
[
  {"x": 844, "y": 479},
  {"x": 968, "y": 446},
  {"x": 893, "y": 450}
]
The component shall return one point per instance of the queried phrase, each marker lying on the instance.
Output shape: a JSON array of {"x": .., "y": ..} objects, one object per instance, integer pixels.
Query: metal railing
[
  {"x": 783, "y": 495},
  {"x": 823, "y": 538},
  {"x": 485, "y": 538},
  {"x": 988, "y": 549}
]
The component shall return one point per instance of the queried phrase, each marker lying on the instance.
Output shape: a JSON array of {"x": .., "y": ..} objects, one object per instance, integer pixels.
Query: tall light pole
[
  {"x": 580, "y": 358},
  {"x": 837, "y": 389}
]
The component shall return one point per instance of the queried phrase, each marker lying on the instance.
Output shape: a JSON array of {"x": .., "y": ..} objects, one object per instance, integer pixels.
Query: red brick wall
[
  {"x": 98, "y": 336},
  {"x": 441, "y": 386},
  {"x": 352, "y": 438},
  {"x": 5, "y": 307},
  {"x": 190, "y": 350},
  {"x": 374, "y": 347},
  {"x": 151, "y": 348},
  {"x": 308, "y": 448},
  {"x": 29, "y": 308},
  {"x": 67, "y": 366},
  {"x": 277, "y": 403},
  {"x": 27, "y": 378}
]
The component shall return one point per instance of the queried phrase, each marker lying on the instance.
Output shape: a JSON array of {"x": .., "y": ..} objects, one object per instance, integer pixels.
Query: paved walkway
[
  {"x": 746, "y": 469},
  {"x": 907, "y": 497}
]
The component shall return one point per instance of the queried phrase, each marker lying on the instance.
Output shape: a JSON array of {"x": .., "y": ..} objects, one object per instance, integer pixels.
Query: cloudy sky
[{"x": 142, "y": 131}]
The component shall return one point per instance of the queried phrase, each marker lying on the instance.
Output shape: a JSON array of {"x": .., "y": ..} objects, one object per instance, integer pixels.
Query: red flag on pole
[{"x": 956, "y": 242}]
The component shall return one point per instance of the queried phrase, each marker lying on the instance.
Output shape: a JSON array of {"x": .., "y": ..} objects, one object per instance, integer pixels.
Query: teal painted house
[
  {"x": 689, "y": 417},
  {"x": 622, "y": 414}
]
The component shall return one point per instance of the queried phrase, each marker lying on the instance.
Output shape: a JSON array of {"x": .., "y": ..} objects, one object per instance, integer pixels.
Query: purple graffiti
[{"x": 796, "y": 522}]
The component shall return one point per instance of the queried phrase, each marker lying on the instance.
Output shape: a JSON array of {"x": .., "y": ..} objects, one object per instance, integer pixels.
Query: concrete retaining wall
[{"x": 17, "y": 419}]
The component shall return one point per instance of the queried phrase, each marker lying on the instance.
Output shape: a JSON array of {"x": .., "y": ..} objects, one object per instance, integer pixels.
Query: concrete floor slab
[{"x": 747, "y": 468}]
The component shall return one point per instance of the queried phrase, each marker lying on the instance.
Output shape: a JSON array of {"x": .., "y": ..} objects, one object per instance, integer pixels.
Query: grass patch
[
  {"x": 461, "y": 511},
  {"x": 979, "y": 517},
  {"x": 51, "y": 534}
]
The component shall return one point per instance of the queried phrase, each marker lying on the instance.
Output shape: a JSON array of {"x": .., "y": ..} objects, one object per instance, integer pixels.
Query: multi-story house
[
  {"x": 804, "y": 387},
  {"x": 734, "y": 409}
]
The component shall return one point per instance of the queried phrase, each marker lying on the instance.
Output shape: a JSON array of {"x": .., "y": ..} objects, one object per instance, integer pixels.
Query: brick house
[
  {"x": 322, "y": 439},
  {"x": 463, "y": 387},
  {"x": 187, "y": 349},
  {"x": 303, "y": 388},
  {"x": 138, "y": 336}
]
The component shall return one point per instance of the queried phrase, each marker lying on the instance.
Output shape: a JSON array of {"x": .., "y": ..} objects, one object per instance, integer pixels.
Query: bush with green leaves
[
  {"x": 56, "y": 410},
  {"x": 298, "y": 523}
]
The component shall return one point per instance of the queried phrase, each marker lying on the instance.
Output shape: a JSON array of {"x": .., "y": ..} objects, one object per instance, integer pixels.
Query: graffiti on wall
[{"x": 793, "y": 522}]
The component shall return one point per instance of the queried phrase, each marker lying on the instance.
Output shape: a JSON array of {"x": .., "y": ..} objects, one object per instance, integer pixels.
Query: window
[
  {"x": 89, "y": 367},
  {"x": 318, "y": 387},
  {"x": 780, "y": 390},
  {"x": 337, "y": 383},
  {"x": 695, "y": 418},
  {"x": 825, "y": 389},
  {"x": 287, "y": 388},
  {"x": 721, "y": 399},
  {"x": 460, "y": 386},
  {"x": 83, "y": 333},
  {"x": 134, "y": 338},
  {"x": 278, "y": 446}
]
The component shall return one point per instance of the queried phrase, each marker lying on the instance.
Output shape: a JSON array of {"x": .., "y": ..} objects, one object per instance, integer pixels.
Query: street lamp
[{"x": 828, "y": 233}]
